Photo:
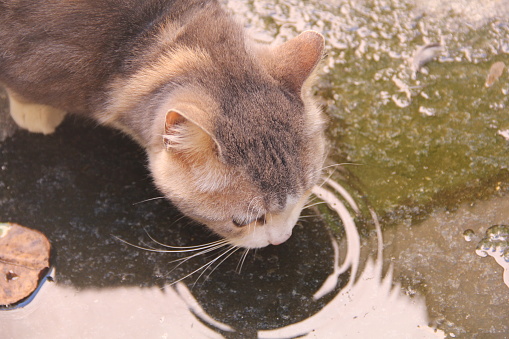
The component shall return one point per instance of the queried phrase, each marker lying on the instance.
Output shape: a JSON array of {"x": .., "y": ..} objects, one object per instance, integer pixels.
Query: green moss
[{"x": 441, "y": 138}]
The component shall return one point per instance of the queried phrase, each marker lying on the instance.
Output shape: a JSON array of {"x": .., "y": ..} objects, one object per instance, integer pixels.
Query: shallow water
[{"x": 427, "y": 149}]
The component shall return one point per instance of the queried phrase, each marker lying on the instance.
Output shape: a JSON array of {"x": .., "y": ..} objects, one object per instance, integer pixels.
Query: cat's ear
[
  {"x": 295, "y": 60},
  {"x": 186, "y": 135}
]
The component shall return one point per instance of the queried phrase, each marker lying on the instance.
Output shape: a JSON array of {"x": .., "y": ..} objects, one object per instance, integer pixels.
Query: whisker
[
  {"x": 340, "y": 164},
  {"x": 199, "y": 268},
  {"x": 232, "y": 250},
  {"x": 183, "y": 260},
  {"x": 335, "y": 168},
  {"x": 195, "y": 247},
  {"x": 312, "y": 198},
  {"x": 241, "y": 261},
  {"x": 327, "y": 178},
  {"x": 210, "y": 263},
  {"x": 178, "y": 219},
  {"x": 148, "y": 249},
  {"x": 308, "y": 216},
  {"x": 202, "y": 252},
  {"x": 315, "y": 204},
  {"x": 308, "y": 213},
  {"x": 198, "y": 249},
  {"x": 320, "y": 170},
  {"x": 175, "y": 249},
  {"x": 189, "y": 274},
  {"x": 146, "y": 200}
]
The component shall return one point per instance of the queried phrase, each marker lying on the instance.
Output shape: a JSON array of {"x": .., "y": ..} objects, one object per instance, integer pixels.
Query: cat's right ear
[
  {"x": 185, "y": 135},
  {"x": 172, "y": 130}
]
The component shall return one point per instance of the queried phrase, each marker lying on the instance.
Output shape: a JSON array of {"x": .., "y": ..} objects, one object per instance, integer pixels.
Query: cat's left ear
[{"x": 295, "y": 60}]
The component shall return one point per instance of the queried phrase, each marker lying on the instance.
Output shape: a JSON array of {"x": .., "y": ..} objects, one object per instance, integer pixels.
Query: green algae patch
[{"x": 447, "y": 137}]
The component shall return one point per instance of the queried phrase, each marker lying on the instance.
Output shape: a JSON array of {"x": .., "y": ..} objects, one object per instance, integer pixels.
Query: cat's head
[{"x": 241, "y": 146}]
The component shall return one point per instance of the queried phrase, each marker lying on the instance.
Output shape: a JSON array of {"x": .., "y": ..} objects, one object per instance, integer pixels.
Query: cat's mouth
[
  {"x": 269, "y": 229},
  {"x": 262, "y": 237}
]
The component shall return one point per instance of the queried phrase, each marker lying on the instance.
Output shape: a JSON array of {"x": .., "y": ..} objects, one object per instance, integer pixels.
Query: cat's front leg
[{"x": 35, "y": 118}]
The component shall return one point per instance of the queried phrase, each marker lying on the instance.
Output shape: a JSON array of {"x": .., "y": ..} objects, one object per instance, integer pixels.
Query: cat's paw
[{"x": 35, "y": 117}]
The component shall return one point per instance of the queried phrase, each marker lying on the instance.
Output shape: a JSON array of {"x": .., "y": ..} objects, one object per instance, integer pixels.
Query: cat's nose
[{"x": 279, "y": 238}]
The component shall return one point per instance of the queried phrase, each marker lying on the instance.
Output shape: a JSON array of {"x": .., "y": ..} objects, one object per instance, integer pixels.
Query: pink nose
[{"x": 280, "y": 239}]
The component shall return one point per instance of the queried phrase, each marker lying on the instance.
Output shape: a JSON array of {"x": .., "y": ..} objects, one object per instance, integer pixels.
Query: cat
[{"x": 232, "y": 134}]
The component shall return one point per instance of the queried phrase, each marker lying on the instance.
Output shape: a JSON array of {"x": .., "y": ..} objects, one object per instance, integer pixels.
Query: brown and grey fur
[{"x": 232, "y": 135}]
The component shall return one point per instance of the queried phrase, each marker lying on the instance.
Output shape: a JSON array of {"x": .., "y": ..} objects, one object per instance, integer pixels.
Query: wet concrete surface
[{"x": 465, "y": 293}]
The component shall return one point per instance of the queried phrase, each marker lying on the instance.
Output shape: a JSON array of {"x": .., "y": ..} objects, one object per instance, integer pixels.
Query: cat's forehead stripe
[{"x": 269, "y": 150}]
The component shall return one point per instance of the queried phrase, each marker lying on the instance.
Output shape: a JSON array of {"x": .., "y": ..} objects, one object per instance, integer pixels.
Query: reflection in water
[
  {"x": 496, "y": 244},
  {"x": 352, "y": 236},
  {"x": 368, "y": 306}
]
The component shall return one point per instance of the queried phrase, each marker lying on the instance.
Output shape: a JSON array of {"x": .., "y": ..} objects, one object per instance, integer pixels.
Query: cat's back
[
  {"x": 76, "y": 20},
  {"x": 62, "y": 45}
]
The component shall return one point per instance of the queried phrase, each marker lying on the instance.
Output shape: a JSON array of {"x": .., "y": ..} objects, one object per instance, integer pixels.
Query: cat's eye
[{"x": 258, "y": 221}]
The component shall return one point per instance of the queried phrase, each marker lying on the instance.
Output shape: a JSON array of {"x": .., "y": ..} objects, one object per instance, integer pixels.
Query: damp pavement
[{"x": 425, "y": 148}]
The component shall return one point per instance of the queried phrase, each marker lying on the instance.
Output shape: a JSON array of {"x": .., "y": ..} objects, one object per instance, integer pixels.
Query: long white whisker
[
  {"x": 311, "y": 199},
  {"x": 317, "y": 203},
  {"x": 232, "y": 250},
  {"x": 196, "y": 247},
  {"x": 177, "y": 220},
  {"x": 242, "y": 259},
  {"x": 199, "y": 268},
  {"x": 210, "y": 263},
  {"x": 219, "y": 243},
  {"x": 328, "y": 177},
  {"x": 141, "y": 247},
  {"x": 190, "y": 274},
  {"x": 308, "y": 216},
  {"x": 340, "y": 164},
  {"x": 189, "y": 257},
  {"x": 183, "y": 260},
  {"x": 140, "y": 202}
]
